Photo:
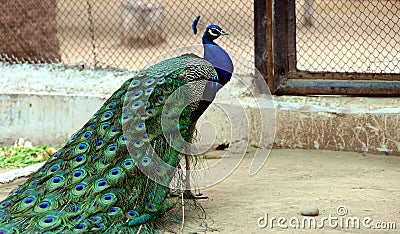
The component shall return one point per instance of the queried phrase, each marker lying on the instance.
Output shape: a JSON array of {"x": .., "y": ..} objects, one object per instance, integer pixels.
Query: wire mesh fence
[
  {"x": 116, "y": 33},
  {"x": 348, "y": 36},
  {"x": 331, "y": 35}
]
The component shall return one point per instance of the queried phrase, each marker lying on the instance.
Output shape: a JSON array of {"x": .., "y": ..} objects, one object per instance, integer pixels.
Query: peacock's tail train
[{"x": 113, "y": 175}]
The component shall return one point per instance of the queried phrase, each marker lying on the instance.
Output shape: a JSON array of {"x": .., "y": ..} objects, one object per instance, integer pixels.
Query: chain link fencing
[
  {"x": 116, "y": 33},
  {"x": 348, "y": 36},
  {"x": 332, "y": 36}
]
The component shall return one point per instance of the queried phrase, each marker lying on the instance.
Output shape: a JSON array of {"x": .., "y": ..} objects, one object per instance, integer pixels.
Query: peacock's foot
[{"x": 187, "y": 194}]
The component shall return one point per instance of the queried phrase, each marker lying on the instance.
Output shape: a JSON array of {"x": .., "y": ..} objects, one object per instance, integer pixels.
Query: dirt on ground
[{"x": 366, "y": 186}]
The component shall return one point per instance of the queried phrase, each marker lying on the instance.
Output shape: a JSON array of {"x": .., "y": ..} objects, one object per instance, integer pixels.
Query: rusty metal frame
[
  {"x": 263, "y": 39},
  {"x": 277, "y": 60}
]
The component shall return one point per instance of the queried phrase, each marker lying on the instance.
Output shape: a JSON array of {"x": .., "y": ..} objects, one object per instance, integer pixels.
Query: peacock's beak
[{"x": 224, "y": 33}]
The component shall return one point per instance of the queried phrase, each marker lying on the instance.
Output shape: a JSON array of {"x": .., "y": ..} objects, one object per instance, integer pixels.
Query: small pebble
[{"x": 310, "y": 211}]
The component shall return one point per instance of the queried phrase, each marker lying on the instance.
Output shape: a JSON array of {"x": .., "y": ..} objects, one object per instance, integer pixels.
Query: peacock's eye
[{"x": 215, "y": 31}]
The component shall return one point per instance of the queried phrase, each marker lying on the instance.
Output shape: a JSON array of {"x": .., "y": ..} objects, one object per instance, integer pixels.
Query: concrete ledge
[
  {"x": 334, "y": 123},
  {"x": 44, "y": 119},
  {"x": 378, "y": 133},
  {"x": 339, "y": 123}
]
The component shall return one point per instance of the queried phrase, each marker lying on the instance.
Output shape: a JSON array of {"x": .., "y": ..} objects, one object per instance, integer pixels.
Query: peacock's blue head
[
  {"x": 213, "y": 53},
  {"x": 213, "y": 31}
]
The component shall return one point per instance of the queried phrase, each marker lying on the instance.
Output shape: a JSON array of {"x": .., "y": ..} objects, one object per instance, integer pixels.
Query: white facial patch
[{"x": 211, "y": 33}]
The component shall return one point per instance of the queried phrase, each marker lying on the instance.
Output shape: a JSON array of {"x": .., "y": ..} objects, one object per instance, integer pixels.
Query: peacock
[{"x": 113, "y": 175}]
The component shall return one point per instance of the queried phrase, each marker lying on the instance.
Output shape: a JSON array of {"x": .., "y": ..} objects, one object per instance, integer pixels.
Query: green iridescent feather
[{"x": 99, "y": 181}]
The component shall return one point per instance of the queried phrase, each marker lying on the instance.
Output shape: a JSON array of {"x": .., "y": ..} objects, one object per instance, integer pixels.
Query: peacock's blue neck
[
  {"x": 219, "y": 58},
  {"x": 222, "y": 64}
]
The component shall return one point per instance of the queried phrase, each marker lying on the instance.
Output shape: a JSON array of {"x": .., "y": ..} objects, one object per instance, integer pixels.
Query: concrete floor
[{"x": 366, "y": 185}]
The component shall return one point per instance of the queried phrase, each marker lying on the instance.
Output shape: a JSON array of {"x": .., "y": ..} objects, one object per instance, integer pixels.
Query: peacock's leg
[{"x": 188, "y": 193}]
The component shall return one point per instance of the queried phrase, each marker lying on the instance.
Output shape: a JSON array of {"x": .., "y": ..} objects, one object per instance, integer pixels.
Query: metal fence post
[
  {"x": 263, "y": 56},
  {"x": 260, "y": 36},
  {"x": 280, "y": 43}
]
